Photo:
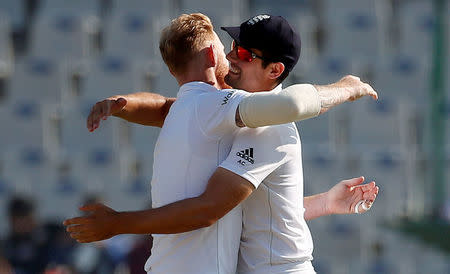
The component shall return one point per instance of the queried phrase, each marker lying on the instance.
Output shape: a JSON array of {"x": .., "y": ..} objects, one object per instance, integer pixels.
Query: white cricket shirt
[
  {"x": 275, "y": 236},
  {"x": 196, "y": 137}
]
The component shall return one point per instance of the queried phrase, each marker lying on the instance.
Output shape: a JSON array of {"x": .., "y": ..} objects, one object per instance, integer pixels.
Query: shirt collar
[
  {"x": 202, "y": 86},
  {"x": 278, "y": 88}
]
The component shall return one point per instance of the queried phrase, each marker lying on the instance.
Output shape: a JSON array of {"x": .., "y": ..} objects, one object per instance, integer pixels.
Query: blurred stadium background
[{"x": 58, "y": 57}]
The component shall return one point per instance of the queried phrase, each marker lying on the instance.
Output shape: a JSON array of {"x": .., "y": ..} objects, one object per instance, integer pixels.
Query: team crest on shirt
[
  {"x": 227, "y": 97},
  {"x": 246, "y": 155}
]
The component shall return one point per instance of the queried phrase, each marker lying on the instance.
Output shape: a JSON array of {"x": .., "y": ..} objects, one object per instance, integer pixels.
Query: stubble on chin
[{"x": 222, "y": 75}]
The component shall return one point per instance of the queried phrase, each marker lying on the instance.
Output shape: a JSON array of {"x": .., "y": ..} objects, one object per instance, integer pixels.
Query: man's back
[{"x": 195, "y": 139}]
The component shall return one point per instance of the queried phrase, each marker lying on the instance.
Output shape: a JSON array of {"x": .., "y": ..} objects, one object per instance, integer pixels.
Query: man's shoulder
[
  {"x": 274, "y": 135},
  {"x": 221, "y": 97}
]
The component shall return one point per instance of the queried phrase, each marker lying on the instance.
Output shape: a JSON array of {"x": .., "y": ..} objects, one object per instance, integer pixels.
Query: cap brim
[{"x": 234, "y": 32}]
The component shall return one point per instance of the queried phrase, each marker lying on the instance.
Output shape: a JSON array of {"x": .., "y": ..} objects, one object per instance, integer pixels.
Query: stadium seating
[
  {"x": 131, "y": 194},
  {"x": 308, "y": 28},
  {"x": 388, "y": 168},
  {"x": 316, "y": 131},
  {"x": 136, "y": 26},
  {"x": 80, "y": 6},
  {"x": 15, "y": 11},
  {"x": 315, "y": 160},
  {"x": 22, "y": 124},
  {"x": 221, "y": 13},
  {"x": 365, "y": 127},
  {"x": 64, "y": 34},
  {"x": 109, "y": 75},
  {"x": 353, "y": 28},
  {"x": 152, "y": 8},
  {"x": 62, "y": 190},
  {"x": 160, "y": 80},
  {"x": 404, "y": 77},
  {"x": 416, "y": 23},
  {"x": 36, "y": 79},
  {"x": 327, "y": 69},
  {"x": 75, "y": 136},
  {"x": 288, "y": 9}
]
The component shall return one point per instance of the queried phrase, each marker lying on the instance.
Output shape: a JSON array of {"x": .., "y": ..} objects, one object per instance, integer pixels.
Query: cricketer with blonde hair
[{"x": 191, "y": 195}]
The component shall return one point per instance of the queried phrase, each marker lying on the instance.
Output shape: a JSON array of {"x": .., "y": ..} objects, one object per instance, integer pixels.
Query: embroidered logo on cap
[{"x": 257, "y": 18}]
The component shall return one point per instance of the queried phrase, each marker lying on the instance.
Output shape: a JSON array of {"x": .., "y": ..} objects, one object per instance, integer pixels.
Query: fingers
[
  {"x": 101, "y": 111},
  {"x": 85, "y": 237},
  {"x": 368, "y": 199},
  {"x": 371, "y": 92},
  {"x": 76, "y": 221},
  {"x": 92, "y": 207},
  {"x": 371, "y": 195},
  {"x": 353, "y": 182},
  {"x": 368, "y": 187}
]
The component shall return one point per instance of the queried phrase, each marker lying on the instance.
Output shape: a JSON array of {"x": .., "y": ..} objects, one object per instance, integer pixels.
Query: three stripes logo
[{"x": 246, "y": 154}]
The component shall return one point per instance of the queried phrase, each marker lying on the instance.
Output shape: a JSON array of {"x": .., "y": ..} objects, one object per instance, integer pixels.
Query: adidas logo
[{"x": 246, "y": 154}]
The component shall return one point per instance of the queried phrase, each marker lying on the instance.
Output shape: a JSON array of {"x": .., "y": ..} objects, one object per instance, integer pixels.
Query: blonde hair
[{"x": 183, "y": 39}]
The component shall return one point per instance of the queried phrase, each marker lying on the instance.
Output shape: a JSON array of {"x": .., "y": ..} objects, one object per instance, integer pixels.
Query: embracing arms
[
  {"x": 225, "y": 190},
  {"x": 295, "y": 103},
  {"x": 144, "y": 108}
]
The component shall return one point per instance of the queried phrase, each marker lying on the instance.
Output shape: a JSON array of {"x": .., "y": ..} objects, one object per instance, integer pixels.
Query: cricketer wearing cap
[{"x": 200, "y": 128}]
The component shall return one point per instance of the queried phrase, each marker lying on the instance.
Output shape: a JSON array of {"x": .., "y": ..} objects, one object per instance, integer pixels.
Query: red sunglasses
[{"x": 243, "y": 53}]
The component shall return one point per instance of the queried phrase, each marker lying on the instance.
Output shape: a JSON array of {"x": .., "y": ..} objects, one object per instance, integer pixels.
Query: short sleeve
[
  {"x": 257, "y": 152},
  {"x": 216, "y": 112}
]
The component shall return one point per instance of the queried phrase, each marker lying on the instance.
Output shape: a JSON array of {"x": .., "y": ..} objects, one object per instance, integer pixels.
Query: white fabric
[
  {"x": 196, "y": 137},
  {"x": 275, "y": 236},
  {"x": 295, "y": 103}
]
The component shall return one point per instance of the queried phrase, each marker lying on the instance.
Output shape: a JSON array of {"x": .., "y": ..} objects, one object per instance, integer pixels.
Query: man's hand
[
  {"x": 343, "y": 197},
  {"x": 349, "y": 88},
  {"x": 103, "y": 109},
  {"x": 98, "y": 225}
]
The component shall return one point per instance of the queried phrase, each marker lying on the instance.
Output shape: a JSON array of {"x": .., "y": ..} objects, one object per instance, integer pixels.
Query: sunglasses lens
[{"x": 244, "y": 54}]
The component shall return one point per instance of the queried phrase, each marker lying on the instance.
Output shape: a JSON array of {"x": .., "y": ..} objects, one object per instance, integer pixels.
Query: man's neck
[{"x": 197, "y": 75}]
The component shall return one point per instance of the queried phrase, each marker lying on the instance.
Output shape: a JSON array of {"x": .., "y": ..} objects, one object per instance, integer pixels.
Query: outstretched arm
[
  {"x": 142, "y": 108},
  {"x": 224, "y": 191},
  {"x": 300, "y": 102},
  {"x": 295, "y": 103},
  {"x": 341, "y": 199}
]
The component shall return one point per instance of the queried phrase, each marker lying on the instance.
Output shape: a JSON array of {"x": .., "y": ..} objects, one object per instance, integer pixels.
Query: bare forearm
[
  {"x": 178, "y": 217},
  {"x": 315, "y": 206},
  {"x": 145, "y": 108},
  {"x": 349, "y": 88},
  {"x": 331, "y": 95}
]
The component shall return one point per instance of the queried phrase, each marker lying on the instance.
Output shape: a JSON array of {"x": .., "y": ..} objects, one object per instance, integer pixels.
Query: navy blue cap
[{"x": 272, "y": 35}]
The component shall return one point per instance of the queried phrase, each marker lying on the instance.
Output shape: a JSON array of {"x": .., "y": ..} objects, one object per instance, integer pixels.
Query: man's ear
[
  {"x": 275, "y": 70},
  {"x": 211, "y": 56}
]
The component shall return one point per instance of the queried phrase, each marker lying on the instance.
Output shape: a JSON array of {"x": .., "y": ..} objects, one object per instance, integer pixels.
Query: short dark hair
[{"x": 268, "y": 61}]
